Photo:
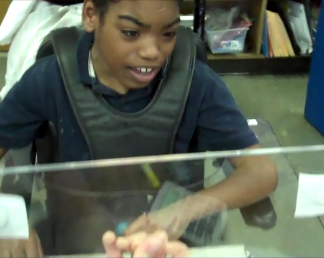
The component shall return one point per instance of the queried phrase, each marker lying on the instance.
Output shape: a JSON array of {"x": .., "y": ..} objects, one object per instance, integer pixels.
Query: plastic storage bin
[{"x": 226, "y": 41}]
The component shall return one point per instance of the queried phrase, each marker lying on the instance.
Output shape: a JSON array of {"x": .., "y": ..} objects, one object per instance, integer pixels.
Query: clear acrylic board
[{"x": 72, "y": 205}]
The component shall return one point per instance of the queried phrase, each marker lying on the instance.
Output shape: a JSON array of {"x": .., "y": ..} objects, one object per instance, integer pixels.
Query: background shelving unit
[{"x": 252, "y": 62}]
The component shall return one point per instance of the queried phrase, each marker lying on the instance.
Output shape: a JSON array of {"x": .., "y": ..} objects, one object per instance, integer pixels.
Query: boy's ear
[{"x": 90, "y": 17}]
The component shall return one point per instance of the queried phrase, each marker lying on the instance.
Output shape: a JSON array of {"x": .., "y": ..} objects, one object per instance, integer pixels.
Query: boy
[{"x": 121, "y": 59}]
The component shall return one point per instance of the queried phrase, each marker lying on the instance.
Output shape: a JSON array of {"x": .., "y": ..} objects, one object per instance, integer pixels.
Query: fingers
[
  {"x": 17, "y": 249},
  {"x": 122, "y": 243},
  {"x": 22, "y": 248},
  {"x": 143, "y": 245},
  {"x": 33, "y": 246},
  {"x": 152, "y": 246},
  {"x": 132, "y": 242},
  {"x": 115, "y": 246},
  {"x": 39, "y": 247},
  {"x": 151, "y": 223},
  {"x": 4, "y": 250},
  {"x": 177, "y": 249},
  {"x": 109, "y": 242},
  {"x": 136, "y": 240},
  {"x": 157, "y": 245},
  {"x": 137, "y": 225}
]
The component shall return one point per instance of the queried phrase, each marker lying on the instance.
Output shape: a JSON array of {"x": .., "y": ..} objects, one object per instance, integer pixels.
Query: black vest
[{"x": 113, "y": 134}]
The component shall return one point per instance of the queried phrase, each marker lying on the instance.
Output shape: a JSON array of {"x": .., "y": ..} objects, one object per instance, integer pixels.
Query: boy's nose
[{"x": 149, "y": 51}]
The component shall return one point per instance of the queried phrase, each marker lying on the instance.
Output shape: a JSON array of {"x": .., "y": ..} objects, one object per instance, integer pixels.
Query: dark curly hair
[{"x": 102, "y": 6}]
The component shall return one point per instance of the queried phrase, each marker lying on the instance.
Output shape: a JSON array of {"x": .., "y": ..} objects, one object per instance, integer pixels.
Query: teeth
[{"x": 144, "y": 69}]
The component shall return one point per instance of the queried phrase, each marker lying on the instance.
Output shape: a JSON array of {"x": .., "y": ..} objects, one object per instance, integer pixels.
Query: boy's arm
[
  {"x": 221, "y": 126},
  {"x": 254, "y": 179},
  {"x": 25, "y": 108}
]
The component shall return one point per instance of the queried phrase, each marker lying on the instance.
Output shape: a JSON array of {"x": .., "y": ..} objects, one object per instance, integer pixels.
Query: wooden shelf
[
  {"x": 4, "y": 48},
  {"x": 211, "y": 56},
  {"x": 256, "y": 64},
  {"x": 4, "y": 5}
]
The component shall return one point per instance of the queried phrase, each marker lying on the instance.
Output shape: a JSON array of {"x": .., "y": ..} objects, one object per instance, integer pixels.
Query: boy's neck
[{"x": 103, "y": 74}]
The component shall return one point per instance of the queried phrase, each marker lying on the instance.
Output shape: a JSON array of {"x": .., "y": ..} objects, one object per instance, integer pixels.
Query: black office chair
[{"x": 261, "y": 214}]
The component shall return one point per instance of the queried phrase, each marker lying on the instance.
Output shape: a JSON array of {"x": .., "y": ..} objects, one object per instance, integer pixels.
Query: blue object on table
[
  {"x": 314, "y": 108},
  {"x": 121, "y": 227}
]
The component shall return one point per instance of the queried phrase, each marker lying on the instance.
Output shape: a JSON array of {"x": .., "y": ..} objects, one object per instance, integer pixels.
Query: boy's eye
[
  {"x": 170, "y": 34},
  {"x": 130, "y": 33}
]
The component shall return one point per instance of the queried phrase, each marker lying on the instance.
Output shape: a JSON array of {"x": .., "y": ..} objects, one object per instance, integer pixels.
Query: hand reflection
[
  {"x": 175, "y": 218},
  {"x": 142, "y": 245},
  {"x": 171, "y": 219}
]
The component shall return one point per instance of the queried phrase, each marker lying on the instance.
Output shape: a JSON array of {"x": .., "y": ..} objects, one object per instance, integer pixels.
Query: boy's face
[{"x": 133, "y": 41}]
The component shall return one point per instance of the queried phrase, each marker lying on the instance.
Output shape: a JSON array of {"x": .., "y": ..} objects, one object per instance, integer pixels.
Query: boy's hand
[
  {"x": 175, "y": 218},
  {"x": 30, "y": 247},
  {"x": 172, "y": 220},
  {"x": 142, "y": 245}
]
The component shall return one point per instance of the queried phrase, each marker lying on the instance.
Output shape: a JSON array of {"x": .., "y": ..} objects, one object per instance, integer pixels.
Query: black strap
[{"x": 65, "y": 42}]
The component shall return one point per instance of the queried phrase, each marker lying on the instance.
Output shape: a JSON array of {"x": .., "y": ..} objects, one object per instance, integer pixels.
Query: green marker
[{"x": 151, "y": 175}]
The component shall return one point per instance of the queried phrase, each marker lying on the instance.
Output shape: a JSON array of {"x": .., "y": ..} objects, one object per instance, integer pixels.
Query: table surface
[{"x": 228, "y": 251}]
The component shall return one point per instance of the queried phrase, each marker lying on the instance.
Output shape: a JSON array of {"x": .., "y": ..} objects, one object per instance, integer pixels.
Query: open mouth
[{"x": 144, "y": 74}]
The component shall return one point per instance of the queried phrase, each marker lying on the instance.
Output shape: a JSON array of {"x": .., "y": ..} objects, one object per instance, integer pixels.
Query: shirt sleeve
[
  {"x": 221, "y": 125},
  {"x": 24, "y": 108}
]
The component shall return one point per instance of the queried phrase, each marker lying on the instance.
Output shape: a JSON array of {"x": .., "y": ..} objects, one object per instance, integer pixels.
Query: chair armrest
[{"x": 261, "y": 214}]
